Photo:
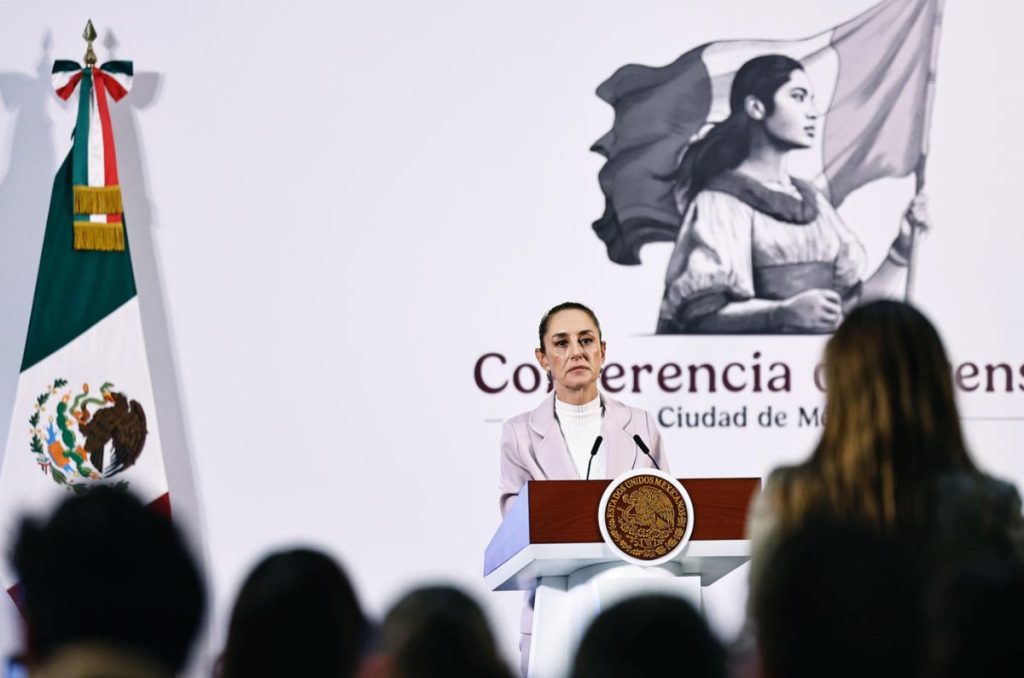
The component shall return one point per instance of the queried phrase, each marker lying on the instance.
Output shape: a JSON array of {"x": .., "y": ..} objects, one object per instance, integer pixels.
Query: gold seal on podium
[{"x": 646, "y": 517}]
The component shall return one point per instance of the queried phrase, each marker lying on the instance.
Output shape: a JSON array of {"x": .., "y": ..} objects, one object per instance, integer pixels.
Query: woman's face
[
  {"x": 793, "y": 123},
  {"x": 573, "y": 351}
]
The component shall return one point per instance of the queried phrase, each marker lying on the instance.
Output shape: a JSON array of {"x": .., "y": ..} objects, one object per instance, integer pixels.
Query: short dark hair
[
  {"x": 296, "y": 614},
  {"x": 565, "y": 306},
  {"x": 647, "y": 636},
  {"x": 140, "y": 587}
]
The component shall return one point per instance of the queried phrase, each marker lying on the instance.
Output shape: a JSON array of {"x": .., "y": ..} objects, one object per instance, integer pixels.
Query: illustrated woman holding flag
[{"x": 760, "y": 251}]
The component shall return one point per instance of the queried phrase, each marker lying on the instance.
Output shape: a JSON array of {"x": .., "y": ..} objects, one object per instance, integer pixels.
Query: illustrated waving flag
[
  {"x": 83, "y": 413},
  {"x": 873, "y": 78}
]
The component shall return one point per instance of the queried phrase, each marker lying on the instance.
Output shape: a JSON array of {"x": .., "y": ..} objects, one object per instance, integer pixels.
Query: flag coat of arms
[
  {"x": 874, "y": 81},
  {"x": 84, "y": 412}
]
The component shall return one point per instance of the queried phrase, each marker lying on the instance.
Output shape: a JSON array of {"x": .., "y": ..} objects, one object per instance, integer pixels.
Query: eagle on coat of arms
[{"x": 89, "y": 436}]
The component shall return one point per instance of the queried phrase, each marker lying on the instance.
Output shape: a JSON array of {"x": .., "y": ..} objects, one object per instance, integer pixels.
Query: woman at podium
[{"x": 576, "y": 432}]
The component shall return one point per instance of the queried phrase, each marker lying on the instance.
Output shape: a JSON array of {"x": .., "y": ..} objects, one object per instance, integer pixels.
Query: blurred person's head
[
  {"x": 296, "y": 615},
  {"x": 977, "y": 615},
  {"x": 438, "y": 632},
  {"x": 838, "y": 600},
  {"x": 649, "y": 635},
  {"x": 891, "y": 423},
  {"x": 106, "y": 570}
]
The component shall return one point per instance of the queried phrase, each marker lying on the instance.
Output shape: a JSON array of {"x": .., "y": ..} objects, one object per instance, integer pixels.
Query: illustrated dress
[{"x": 741, "y": 239}]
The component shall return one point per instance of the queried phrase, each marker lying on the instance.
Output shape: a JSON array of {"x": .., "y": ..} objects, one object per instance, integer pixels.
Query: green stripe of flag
[
  {"x": 81, "y": 148},
  {"x": 74, "y": 290}
]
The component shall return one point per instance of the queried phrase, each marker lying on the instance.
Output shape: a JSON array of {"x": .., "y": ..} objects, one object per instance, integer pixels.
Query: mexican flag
[
  {"x": 84, "y": 413},
  {"x": 874, "y": 81}
]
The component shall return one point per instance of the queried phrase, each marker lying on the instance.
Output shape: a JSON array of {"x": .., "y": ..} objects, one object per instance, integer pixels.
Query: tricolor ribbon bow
[{"x": 99, "y": 214}]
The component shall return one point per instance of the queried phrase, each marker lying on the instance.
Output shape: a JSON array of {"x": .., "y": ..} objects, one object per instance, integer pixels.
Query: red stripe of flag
[
  {"x": 101, "y": 81},
  {"x": 65, "y": 91},
  {"x": 17, "y": 594},
  {"x": 115, "y": 88},
  {"x": 109, "y": 159}
]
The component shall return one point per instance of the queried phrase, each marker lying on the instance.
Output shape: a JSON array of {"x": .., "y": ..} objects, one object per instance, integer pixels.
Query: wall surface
[{"x": 336, "y": 209}]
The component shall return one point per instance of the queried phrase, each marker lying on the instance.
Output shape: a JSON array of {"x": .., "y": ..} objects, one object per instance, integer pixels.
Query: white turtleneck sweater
[{"x": 581, "y": 424}]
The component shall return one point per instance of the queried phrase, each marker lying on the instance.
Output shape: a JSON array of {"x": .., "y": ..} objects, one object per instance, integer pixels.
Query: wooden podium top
[
  {"x": 552, "y": 529},
  {"x": 565, "y": 511}
]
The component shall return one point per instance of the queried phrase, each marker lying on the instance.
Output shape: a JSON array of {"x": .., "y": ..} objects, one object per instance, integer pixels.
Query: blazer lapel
[
  {"x": 618, "y": 443},
  {"x": 549, "y": 448}
]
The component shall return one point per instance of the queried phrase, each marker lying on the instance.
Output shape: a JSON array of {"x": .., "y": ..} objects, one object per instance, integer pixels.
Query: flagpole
[{"x": 922, "y": 163}]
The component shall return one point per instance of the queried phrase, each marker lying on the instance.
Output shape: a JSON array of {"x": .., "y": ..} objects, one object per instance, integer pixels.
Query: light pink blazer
[{"x": 533, "y": 448}]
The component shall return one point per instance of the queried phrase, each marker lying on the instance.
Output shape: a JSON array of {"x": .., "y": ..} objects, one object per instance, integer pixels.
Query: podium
[{"x": 550, "y": 542}]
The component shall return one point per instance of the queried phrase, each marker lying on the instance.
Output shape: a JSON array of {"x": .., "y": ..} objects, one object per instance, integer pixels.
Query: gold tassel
[
  {"x": 99, "y": 236},
  {"x": 98, "y": 200}
]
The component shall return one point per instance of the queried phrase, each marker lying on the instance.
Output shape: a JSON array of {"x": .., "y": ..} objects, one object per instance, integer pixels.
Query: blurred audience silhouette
[
  {"x": 977, "y": 613},
  {"x": 296, "y": 615},
  {"x": 839, "y": 600},
  {"x": 109, "y": 589},
  {"x": 891, "y": 461},
  {"x": 435, "y": 632},
  {"x": 892, "y": 455},
  {"x": 649, "y": 635}
]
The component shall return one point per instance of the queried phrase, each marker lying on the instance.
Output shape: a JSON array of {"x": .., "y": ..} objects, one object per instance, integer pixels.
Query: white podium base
[{"x": 565, "y": 606}]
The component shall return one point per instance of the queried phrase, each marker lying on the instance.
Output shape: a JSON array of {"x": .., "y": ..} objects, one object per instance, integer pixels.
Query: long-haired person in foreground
[
  {"x": 296, "y": 615},
  {"x": 892, "y": 455}
]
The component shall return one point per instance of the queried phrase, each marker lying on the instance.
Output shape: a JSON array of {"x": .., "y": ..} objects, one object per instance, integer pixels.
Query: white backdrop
[{"x": 336, "y": 209}]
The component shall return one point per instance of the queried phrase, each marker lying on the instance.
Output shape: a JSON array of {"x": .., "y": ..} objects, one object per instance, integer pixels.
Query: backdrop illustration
[{"x": 346, "y": 221}]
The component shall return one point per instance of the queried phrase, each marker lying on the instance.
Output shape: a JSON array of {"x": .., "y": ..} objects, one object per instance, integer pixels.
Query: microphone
[
  {"x": 593, "y": 453},
  {"x": 646, "y": 450}
]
